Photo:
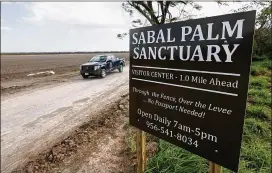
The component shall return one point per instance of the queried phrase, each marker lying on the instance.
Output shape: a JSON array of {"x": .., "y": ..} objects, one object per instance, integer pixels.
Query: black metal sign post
[{"x": 189, "y": 83}]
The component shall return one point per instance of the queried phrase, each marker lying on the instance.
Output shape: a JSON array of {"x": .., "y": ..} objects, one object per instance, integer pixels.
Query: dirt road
[{"x": 34, "y": 120}]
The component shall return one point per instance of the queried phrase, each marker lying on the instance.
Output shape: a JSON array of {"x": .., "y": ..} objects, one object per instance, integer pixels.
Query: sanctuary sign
[{"x": 189, "y": 82}]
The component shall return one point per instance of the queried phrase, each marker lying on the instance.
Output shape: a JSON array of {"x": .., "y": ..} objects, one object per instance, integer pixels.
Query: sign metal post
[
  {"x": 214, "y": 168},
  {"x": 141, "y": 151}
]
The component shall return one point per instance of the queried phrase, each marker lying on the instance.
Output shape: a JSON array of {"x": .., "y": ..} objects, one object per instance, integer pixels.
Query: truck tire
[
  {"x": 103, "y": 73},
  {"x": 120, "y": 68},
  {"x": 84, "y": 76}
]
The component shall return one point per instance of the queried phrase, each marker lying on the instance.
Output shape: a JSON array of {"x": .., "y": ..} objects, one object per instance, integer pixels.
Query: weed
[
  {"x": 265, "y": 64},
  {"x": 259, "y": 58},
  {"x": 131, "y": 142},
  {"x": 260, "y": 96},
  {"x": 126, "y": 125},
  {"x": 260, "y": 112},
  {"x": 256, "y": 155},
  {"x": 259, "y": 82},
  {"x": 254, "y": 128},
  {"x": 258, "y": 70},
  {"x": 175, "y": 160}
]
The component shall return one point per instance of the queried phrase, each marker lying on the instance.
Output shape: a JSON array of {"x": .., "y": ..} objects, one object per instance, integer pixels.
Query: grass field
[{"x": 256, "y": 144}]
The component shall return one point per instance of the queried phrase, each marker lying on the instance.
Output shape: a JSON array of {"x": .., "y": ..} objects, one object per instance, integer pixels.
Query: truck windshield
[{"x": 98, "y": 59}]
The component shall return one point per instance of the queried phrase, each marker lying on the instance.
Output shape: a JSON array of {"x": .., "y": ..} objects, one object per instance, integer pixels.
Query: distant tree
[
  {"x": 159, "y": 12},
  {"x": 263, "y": 18},
  {"x": 263, "y": 32}
]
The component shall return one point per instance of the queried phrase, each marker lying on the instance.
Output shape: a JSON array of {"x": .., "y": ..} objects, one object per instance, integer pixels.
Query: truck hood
[{"x": 93, "y": 63}]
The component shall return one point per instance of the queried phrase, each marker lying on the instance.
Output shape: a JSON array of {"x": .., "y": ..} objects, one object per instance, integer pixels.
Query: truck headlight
[{"x": 96, "y": 67}]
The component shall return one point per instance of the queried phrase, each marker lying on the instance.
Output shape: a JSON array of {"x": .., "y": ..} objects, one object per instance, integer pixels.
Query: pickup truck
[{"x": 100, "y": 65}]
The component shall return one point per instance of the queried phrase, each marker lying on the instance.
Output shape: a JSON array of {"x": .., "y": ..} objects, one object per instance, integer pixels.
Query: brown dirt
[
  {"x": 18, "y": 85},
  {"x": 98, "y": 145},
  {"x": 15, "y": 68}
]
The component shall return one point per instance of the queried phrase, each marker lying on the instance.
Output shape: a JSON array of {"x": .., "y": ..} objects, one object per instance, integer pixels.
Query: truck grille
[{"x": 87, "y": 68}]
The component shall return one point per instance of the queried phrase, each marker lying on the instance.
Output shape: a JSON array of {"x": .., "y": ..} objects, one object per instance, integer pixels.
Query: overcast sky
[{"x": 72, "y": 26}]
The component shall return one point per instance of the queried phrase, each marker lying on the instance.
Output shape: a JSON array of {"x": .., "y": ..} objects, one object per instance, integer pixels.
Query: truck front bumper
[{"x": 91, "y": 72}]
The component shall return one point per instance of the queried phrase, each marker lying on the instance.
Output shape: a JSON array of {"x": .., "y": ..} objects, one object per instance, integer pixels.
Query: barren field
[{"x": 15, "y": 68}]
